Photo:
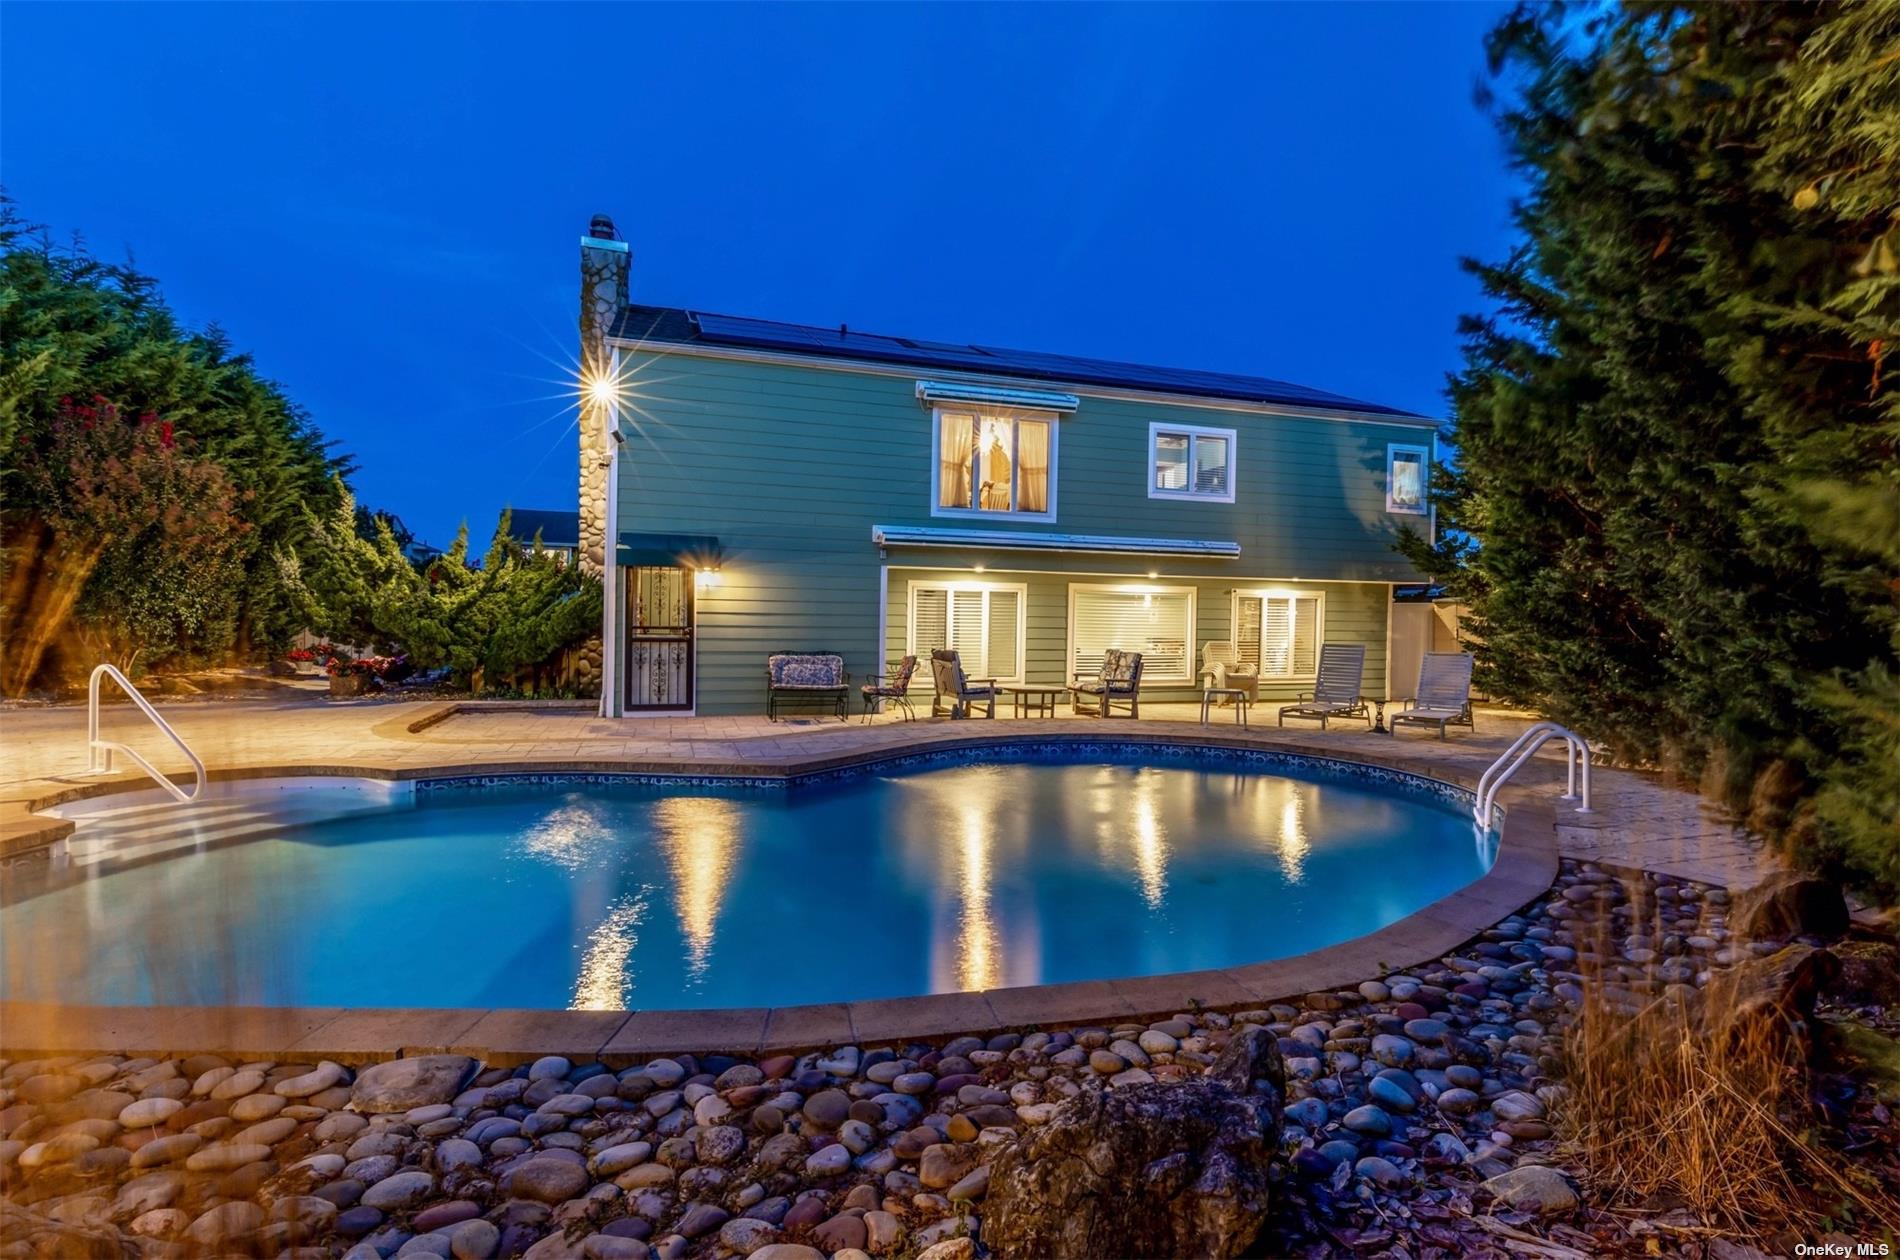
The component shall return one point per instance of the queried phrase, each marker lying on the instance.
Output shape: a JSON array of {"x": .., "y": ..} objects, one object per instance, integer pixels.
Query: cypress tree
[{"x": 1672, "y": 512}]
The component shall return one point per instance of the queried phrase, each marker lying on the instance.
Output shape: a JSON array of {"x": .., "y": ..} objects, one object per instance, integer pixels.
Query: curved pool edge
[{"x": 1525, "y": 867}]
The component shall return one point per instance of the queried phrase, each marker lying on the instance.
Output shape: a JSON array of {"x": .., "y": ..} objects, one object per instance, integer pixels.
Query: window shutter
[
  {"x": 966, "y": 629},
  {"x": 1288, "y": 635},
  {"x": 1005, "y": 620},
  {"x": 1247, "y": 631},
  {"x": 1305, "y": 648},
  {"x": 931, "y": 621},
  {"x": 1156, "y": 625}
]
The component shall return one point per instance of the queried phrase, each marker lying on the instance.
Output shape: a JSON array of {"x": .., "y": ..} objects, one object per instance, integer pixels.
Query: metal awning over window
[
  {"x": 929, "y": 536},
  {"x": 996, "y": 396},
  {"x": 692, "y": 551}
]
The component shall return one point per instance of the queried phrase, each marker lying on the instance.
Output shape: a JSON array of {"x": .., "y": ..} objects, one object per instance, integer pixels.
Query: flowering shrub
[{"x": 382, "y": 668}]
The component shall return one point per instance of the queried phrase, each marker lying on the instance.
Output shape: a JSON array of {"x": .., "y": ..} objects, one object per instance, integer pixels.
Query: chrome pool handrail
[
  {"x": 99, "y": 751},
  {"x": 1576, "y": 748}
]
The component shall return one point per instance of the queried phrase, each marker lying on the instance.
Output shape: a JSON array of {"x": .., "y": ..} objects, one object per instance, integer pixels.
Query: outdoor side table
[
  {"x": 1033, "y": 699},
  {"x": 1236, "y": 694}
]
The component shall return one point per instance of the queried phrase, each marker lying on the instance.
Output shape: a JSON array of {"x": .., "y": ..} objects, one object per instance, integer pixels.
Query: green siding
[{"x": 791, "y": 466}]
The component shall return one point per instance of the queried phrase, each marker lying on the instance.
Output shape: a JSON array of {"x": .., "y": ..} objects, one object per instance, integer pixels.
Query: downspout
[{"x": 610, "y": 601}]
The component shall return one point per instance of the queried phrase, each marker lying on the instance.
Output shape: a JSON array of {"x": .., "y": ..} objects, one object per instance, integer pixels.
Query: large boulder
[
  {"x": 1146, "y": 1170},
  {"x": 1791, "y": 904},
  {"x": 405, "y": 1084}
]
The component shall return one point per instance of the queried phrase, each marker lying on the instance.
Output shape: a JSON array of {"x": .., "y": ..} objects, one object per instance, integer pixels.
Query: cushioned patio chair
[
  {"x": 894, "y": 687},
  {"x": 960, "y": 693},
  {"x": 1336, "y": 688},
  {"x": 1221, "y": 668},
  {"x": 1444, "y": 693},
  {"x": 1119, "y": 683}
]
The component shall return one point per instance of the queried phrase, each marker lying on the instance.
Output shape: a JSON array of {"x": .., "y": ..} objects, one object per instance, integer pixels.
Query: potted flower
[{"x": 347, "y": 677}]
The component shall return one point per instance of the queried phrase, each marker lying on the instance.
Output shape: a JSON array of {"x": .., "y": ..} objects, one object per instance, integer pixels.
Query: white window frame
[
  {"x": 1190, "y": 662},
  {"x": 1022, "y": 624},
  {"x": 1392, "y": 452},
  {"x": 1193, "y": 432},
  {"x": 979, "y": 410},
  {"x": 1283, "y": 592}
]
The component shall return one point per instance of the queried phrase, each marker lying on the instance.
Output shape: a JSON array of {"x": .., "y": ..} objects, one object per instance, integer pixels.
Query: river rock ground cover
[{"x": 1419, "y": 1118}]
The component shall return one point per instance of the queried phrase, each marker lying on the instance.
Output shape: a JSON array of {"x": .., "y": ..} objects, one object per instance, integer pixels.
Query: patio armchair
[
  {"x": 1444, "y": 693},
  {"x": 893, "y": 686},
  {"x": 963, "y": 694},
  {"x": 1118, "y": 683},
  {"x": 1337, "y": 687},
  {"x": 1221, "y": 668}
]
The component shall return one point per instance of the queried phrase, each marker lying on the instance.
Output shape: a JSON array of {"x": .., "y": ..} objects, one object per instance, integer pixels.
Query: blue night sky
[{"x": 384, "y": 203}]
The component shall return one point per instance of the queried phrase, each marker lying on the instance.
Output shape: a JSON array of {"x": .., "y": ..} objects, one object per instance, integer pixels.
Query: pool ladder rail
[
  {"x": 1576, "y": 749},
  {"x": 99, "y": 752}
]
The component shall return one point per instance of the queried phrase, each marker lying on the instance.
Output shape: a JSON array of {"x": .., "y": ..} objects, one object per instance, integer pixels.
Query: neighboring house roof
[
  {"x": 557, "y": 529},
  {"x": 673, "y": 326}
]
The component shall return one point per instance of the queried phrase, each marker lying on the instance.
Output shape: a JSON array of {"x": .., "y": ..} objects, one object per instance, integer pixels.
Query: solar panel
[{"x": 844, "y": 343}]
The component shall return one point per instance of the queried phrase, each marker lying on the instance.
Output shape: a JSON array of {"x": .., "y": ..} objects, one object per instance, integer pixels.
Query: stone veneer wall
[{"x": 604, "y": 267}]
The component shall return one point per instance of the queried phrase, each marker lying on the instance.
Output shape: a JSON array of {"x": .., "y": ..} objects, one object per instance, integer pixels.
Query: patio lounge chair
[
  {"x": 817, "y": 677},
  {"x": 1119, "y": 683},
  {"x": 962, "y": 694},
  {"x": 1336, "y": 689},
  {"x": 894, "y": 686},
  {"x": 1221, "y": 668},
  {"x": 1444, "y": 693}
]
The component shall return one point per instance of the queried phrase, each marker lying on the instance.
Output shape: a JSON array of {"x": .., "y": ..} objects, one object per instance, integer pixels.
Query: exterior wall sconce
[{"x": 705, "y": 579}]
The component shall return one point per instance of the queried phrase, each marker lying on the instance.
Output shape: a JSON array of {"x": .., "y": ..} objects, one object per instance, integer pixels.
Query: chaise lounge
[
  {"x": 1336, "y": 689},
  {"x": 1444, "y": 693}
]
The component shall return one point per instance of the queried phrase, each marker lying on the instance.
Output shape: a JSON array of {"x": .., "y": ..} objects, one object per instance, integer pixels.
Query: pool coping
[{"x": 1525, "y": 867}]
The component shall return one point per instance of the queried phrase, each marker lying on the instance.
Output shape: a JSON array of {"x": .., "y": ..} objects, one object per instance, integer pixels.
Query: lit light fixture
[
  {"x": 978, "y": 568},
  {"x": 1153, "y": 574},
  {"x": 602, "y": 389},
  {"x": 705, "y": 579}
]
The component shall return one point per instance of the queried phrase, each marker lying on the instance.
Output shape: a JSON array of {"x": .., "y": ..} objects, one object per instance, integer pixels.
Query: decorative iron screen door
[{"x": 659, "y": 638}]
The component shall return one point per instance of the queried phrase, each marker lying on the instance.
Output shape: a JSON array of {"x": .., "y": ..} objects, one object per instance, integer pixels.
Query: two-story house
[{"x": 776, "y": 487}]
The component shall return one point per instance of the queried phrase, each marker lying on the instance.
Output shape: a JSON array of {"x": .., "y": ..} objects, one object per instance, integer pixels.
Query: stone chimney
[{"x": 605, "y": 262}]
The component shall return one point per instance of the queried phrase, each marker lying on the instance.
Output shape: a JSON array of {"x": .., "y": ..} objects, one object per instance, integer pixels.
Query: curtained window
[
  {"x": 1405, "y": 474},
  {"x": 994, "y": 462},
  {"x": 1280, "y": 631}
]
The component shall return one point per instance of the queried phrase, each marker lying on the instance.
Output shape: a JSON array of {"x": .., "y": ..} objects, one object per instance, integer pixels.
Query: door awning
[
  {"x": 931, "y": 536},
  {"x": 693, "y": 551}
]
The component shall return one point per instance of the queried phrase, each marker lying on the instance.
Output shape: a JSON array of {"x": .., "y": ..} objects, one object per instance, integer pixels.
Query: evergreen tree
[{"x": 1680, "y": 399}]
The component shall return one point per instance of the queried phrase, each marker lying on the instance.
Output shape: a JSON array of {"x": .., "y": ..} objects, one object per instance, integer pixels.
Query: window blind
[
  {"x": 1157, "y": 624},
  {"x": 1280, "y": 633},
  {"x": 983, "y": 624}
]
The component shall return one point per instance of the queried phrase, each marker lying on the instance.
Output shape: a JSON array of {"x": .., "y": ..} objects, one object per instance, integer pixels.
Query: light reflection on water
[{"x": 609, "y": 897}]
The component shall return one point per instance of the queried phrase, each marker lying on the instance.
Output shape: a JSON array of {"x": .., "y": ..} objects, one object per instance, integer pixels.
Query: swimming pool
[{"x": 996, "y": 868}]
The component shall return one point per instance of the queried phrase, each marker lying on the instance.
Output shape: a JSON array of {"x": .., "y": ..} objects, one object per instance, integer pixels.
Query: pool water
[{"x": 608, "y": 896}]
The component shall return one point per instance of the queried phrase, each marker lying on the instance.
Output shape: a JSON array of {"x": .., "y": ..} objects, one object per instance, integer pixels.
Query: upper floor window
[
  {"x": 1189, "y": 462},
  {"x": 989, "y": 461},
  {"x": 1405, "y": 475}
]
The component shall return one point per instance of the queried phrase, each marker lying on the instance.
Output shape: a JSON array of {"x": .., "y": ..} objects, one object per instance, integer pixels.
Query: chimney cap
[{"x": 602, "y": 228}]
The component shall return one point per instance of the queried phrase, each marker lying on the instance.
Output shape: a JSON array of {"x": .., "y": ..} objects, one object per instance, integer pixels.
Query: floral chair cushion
[
  {"x": 1121, "y": 674},
  {"x": 899, "y": 682},
  {"x": 799, "y": 670}
]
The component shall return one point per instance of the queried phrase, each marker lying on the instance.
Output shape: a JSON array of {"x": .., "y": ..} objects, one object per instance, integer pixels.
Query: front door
[{"x": 659, "y": 639}]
